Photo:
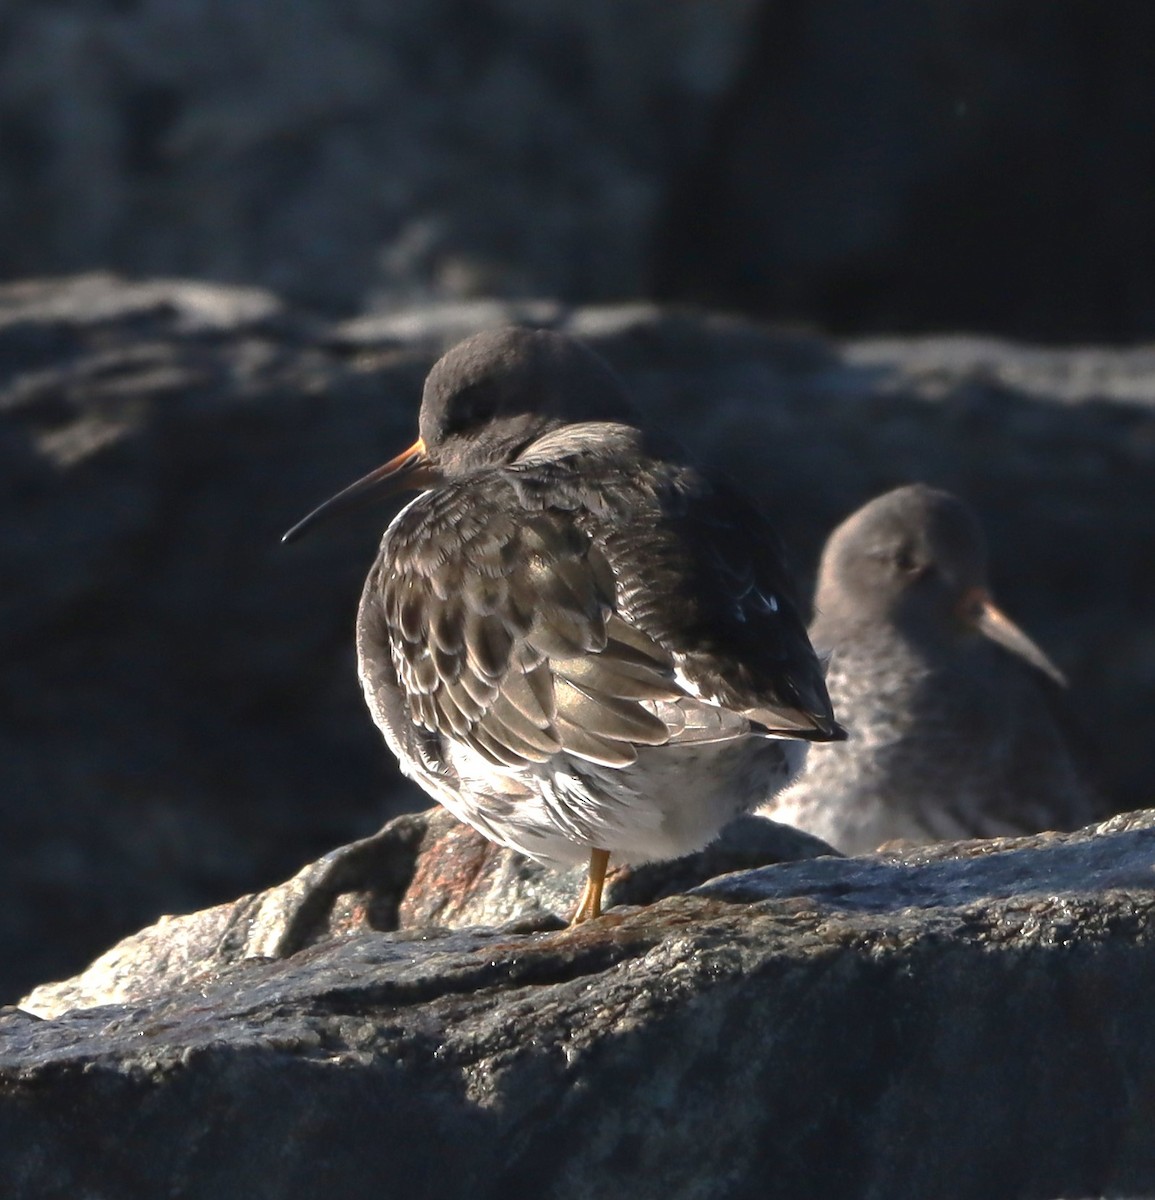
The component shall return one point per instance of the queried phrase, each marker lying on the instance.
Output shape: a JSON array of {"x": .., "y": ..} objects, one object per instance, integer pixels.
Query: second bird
[
  {"x": 954, "y": 715},
  {"x": 573, "y": 639}
]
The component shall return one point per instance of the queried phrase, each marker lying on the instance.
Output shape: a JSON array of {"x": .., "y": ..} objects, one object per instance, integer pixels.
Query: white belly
[{"x": 672, "y": 801}]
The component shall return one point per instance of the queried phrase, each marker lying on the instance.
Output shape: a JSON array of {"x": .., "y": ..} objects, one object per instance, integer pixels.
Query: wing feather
[
  {"x": 523, "y": 630},
  {"x": 505, "y": 636}
]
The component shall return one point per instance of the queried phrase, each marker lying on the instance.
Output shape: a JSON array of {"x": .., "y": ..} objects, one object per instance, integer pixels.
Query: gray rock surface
[
  {"x": 421, "y": 871},
  {"x": 962, "y": 1021},
  {"x": 180, "y": 720}
]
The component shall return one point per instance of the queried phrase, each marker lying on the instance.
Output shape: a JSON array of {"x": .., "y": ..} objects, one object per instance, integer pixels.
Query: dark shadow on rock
[{"x": 946, "y": 167}]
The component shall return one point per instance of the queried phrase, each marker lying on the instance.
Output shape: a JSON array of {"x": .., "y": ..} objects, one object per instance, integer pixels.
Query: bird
[
  {"x": 955, "y": 717},
  {"x": 572, "y": 638}
]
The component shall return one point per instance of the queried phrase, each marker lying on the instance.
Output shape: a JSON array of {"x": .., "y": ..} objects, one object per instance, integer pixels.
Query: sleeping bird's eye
[{"x": 472, "y": 406}]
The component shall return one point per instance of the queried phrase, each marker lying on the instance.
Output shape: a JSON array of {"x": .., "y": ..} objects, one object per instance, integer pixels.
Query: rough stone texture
[
  {"x": 867, "y": 166},
  {"x": 352, "y": 889},
  {"x": 180, "y": 720},
  {"x": 968, "y": 1021},
  {"x": 421, "y": 871}
]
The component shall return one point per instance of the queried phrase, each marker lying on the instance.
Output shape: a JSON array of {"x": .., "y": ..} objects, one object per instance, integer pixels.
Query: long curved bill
[
  {"x": 411, "y": 469},
  {"x": 980, "y": 610}
]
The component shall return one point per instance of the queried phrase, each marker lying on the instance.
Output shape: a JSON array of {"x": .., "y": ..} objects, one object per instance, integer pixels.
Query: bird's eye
[
  {"x": 905, "y": 560},
  {"x": 472, "y": 406}
]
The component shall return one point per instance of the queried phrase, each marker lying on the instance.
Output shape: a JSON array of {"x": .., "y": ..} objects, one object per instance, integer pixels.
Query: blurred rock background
[
  {"x": 179, "y": 715},
  {"x": 881, "y": 166}
]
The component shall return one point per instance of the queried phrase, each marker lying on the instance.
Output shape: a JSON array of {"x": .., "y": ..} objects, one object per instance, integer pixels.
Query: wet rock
[
  {"x": 967, "y": 1021},
  {"x": 421, "y": 872}
]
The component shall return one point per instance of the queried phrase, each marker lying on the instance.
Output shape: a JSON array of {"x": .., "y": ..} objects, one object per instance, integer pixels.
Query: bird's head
[
  {"x": 492, "y": 395},
  {"x": 916, "y": 558},
  {"x": 484, "y": 401}
]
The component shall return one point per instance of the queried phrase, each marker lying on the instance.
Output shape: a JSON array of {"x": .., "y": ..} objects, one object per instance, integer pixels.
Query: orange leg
[{"x": 590, "y": 904}]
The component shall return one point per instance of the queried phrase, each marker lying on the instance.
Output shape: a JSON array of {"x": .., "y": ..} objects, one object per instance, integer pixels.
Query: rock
[
  {"x": 340, "y": 152},
  {"x": 862, "y": 167},
  {"x": 422, "y": 871},
  {"x": 969, "y": 1021},
  {"x": 878, "y": 168},
  {"x": 462, "y": 880},
  {"x": 180, "y": 720}
]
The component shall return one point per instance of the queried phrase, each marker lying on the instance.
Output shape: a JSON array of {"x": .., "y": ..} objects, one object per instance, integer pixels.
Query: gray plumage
[{"x": 954, "y": 716}]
